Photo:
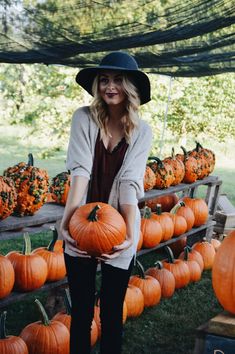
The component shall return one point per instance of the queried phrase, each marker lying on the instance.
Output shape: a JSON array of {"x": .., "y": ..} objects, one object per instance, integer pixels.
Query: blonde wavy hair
[{"x": 99, "y": 109}]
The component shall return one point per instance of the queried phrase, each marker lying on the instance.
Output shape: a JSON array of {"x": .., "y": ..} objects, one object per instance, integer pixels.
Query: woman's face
[{"x": 111, "y": 88}]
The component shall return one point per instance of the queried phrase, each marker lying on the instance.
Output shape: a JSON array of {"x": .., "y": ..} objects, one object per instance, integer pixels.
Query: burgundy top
[{"x": 105, "y": 167}]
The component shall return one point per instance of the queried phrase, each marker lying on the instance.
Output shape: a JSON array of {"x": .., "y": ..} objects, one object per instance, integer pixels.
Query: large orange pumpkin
[
  {"x": 97, "y": 228},
  {"x": 223, "y": 271},
  {"x": 10, "y": 344},
  {"x": 7, "y": 277},
  {"x": 46, "y": 336},
  {"x": 149, "y": 286}
]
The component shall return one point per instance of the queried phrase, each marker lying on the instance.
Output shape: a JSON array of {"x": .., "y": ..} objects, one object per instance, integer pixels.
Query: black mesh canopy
[{"x": 174, "y": 37}]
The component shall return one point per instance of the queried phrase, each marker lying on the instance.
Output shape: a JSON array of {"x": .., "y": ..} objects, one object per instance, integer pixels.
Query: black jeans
[{"x": 81, "y": 274}]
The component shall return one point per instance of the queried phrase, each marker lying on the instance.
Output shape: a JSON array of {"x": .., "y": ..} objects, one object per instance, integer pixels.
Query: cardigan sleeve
[
  {"x": 131, "y": 183},
  {"x": 79, "y": 154}
]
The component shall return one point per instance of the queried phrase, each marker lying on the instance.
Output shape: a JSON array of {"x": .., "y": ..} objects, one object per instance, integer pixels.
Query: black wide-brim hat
[{"x": 117, "y": 61}]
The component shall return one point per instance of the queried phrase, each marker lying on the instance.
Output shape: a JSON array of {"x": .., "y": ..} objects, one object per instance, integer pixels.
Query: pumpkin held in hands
[{"x": 97, "y": 228}]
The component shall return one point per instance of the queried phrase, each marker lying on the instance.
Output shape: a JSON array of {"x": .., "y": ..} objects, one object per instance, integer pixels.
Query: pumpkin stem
[
  {"x": 51, "y": 245},
  {"x": 170, "y": 254},
  {"x": 158, "y": 265},
  {"x": 173, "y": 153},
  {"x": 158, "y": 209},
  {"x": 3, "y": 325},
  {"x": 27, "y": 244},
  {"x": 184, "y": 151},
  {"x": 93, "y": 214},
  {"x": 45, "y": 319},
  {"x": 156, "y": 159},
  {"x": 140, "y": 269},
  {"x": 147, "y": 212},
  {"x": 175, "y": 208},
  {"x": 67, "y": 302},
  {"x": 187, "y": 250},
  {"x": 30, "y": 160}
]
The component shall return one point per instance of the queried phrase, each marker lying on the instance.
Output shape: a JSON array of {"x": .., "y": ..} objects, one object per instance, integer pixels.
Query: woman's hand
[
  {"x": 71, "y": 244},
  {"x": 117, "y": 250}
]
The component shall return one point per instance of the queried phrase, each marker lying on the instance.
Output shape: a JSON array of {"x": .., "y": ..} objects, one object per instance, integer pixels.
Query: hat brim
[{"x": 85, "y": 78}]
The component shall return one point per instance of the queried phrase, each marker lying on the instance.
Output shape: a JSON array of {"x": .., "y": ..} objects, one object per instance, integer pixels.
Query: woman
[{"x": 107, "y": 154}]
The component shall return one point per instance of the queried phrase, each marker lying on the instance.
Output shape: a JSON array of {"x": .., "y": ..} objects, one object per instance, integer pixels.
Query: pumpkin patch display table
[{"x": 50, "y": 213}]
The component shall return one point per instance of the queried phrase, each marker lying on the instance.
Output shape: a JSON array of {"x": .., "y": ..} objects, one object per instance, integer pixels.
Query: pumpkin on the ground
[
  {"x": 134, "y": 299},
  {"x": 7, "y": 277},
  {"x": 65, "y": 318},
  {"x": 223, "y": 271},
  {"x": 193, "y": 255},
  {"x": 97, "y": 228},
  {"x": 149, "y": 286},
  {"x": 178, "y": 268},
  {"x": 8, "y": 197},
  {"x": 165, "y": 277},
  {"x": 31, "y": 186},
  {"x": 207, "y": 252},
  {"x": 10, "y": 344},
  {"x": 46, "y": 336}
]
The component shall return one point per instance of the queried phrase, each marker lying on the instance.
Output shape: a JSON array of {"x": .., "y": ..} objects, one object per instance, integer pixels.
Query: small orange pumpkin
[
  {"x": 59, "y": 187},
  {"x": 30, "y": 269},
  {"x": 167, "y": 202},
  {"x": 207, "y": 252},
  {"x": 165, "y": 277},
  {"x": 150, "y": 228},
  {"x": 166, "y": 223},
  {"x": 163, "y": 173},
  {"x": 8, "y": 197},
  {"x": 193, "y": 255},
  {"x": 134, "y": 299},
  {"x": 149, "y": 286},
  {"x": 10, "y": 344},
  {"x": 178, "y": 268},
  {"x": 7, "y": 277},
  {"x": 199, "y": 208}
]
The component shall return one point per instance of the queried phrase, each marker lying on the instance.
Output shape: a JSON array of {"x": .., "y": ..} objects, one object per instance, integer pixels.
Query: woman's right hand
[{"x": 71, "y": 244}]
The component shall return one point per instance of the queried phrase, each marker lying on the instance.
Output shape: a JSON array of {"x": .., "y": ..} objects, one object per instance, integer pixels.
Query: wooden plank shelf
[
  {"x": 50, "y": 213},
  {"x": 200, "y": 231}
]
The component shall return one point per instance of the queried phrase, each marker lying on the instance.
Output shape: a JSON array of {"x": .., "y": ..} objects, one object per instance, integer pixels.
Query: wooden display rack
[
  {"x": 217, "y": 336},
  {"x": 50, "y": 213}
]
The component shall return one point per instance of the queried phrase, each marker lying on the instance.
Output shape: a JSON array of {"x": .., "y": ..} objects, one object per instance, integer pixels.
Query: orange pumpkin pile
[{"x": 180, "y": 168}]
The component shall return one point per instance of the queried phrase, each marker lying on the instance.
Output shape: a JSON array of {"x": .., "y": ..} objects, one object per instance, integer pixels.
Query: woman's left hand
[{"x": 117, "y": 250}]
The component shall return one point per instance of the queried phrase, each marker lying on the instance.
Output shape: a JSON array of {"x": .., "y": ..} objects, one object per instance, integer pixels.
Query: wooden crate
[{"x": 216, "y": 336}]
